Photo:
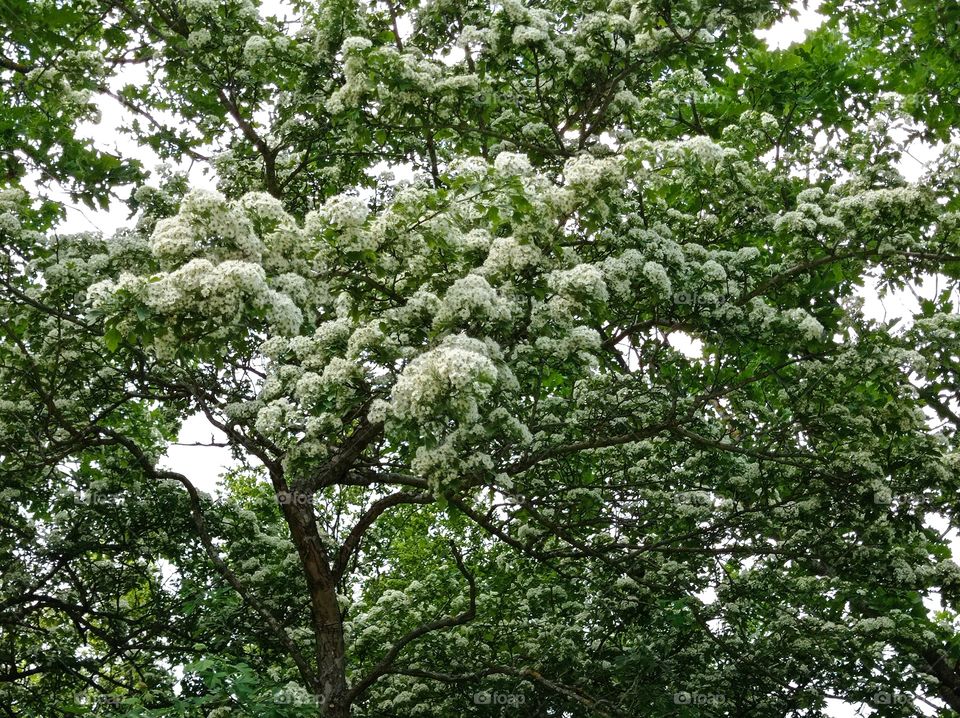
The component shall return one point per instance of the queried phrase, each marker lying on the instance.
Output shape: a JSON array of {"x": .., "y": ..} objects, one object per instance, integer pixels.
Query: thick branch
[
  {"x": 341, "y": 463},
  {"x": 9, "y": 64},
  {"x": 352, "y": 542},
  {"x": 383, "y": 668},
  {"x": 306, "y": 672}
]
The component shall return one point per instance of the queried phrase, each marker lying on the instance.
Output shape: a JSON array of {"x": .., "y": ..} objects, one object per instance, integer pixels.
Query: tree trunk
[{"x": 324, "y": 610}]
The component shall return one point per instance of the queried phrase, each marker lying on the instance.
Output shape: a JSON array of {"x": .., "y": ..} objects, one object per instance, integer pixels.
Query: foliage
[{"x": 585, "y": 418}]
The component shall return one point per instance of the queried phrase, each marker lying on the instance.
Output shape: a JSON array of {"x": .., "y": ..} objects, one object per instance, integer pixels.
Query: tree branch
[
  {"x": 352, "y": 542},
  {"x": 196, "y": 510},
  {"x": 383, "y": 668}
]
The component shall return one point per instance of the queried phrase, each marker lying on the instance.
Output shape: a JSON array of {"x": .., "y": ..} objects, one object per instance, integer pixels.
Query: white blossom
[{"x": 458, "y": 372}]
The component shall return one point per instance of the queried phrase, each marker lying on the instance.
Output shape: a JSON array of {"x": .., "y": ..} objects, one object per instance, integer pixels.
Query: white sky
[{"x": 204, "y": 465}]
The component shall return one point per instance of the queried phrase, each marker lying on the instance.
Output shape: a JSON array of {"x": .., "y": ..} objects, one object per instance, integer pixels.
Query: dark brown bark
[
  {"x": 947, "y": 677},
  {"x": 325, "y": 614},
  {"x": 321, "y": 577}
]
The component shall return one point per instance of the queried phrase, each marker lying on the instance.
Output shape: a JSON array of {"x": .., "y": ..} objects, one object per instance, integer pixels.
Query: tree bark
[
  {"x": 324, "y": 610},
  {"x": 938, "y": 665}
]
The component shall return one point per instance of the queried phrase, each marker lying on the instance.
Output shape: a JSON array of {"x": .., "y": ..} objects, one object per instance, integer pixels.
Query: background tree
[{"x": 587, "y": 416}]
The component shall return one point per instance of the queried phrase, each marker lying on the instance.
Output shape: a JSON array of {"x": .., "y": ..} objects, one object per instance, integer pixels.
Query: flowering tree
[{"x": 585, "y": 419}]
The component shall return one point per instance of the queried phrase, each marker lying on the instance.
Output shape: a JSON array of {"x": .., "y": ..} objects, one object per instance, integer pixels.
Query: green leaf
[{"x": 112, "y": 339}]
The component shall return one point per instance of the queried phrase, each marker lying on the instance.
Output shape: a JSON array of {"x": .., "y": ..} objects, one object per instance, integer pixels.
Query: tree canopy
[{"x": 585, "y": 417}]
